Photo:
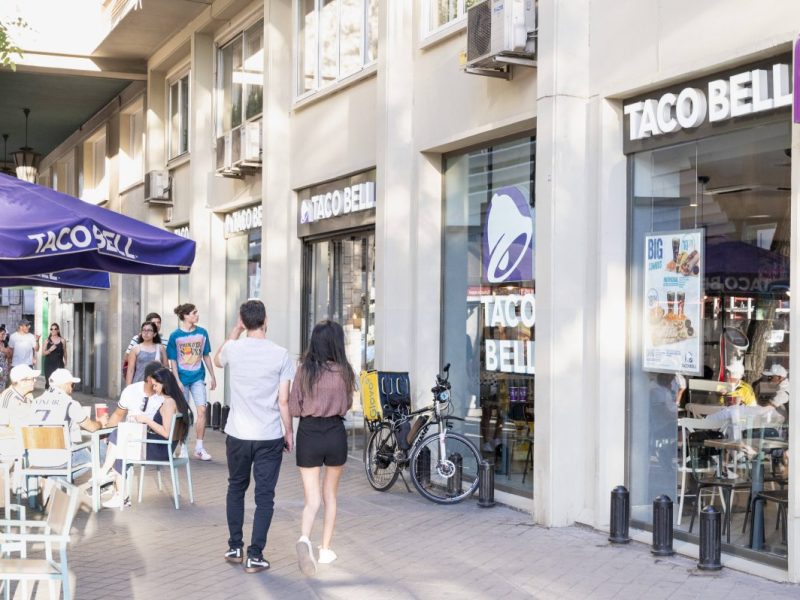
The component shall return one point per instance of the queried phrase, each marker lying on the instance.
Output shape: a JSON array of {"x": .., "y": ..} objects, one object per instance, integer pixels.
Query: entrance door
[
  {"x": 339, "y": 285},
  {"x": 84, "y": 347}
]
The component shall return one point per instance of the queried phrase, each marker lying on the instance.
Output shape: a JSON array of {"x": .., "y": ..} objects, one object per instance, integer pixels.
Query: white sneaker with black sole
[{"x": 254, "y": 564}]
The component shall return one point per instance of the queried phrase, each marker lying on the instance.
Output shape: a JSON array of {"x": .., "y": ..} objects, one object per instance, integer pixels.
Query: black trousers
[{"x": 263, "y": 457}]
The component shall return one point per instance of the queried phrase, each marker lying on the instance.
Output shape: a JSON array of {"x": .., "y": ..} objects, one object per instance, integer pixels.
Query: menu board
[{"x": 672, "y": 332}]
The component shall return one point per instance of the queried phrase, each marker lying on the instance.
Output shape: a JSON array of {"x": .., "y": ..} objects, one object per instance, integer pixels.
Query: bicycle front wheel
[
  {"x": 380, "y": 460},
  {"x": 446, "y": 478}
]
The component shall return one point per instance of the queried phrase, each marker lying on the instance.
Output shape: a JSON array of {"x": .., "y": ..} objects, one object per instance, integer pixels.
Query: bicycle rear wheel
[
  {"x": 450, "y": 478},
  {"x": 379, "y": 458}
]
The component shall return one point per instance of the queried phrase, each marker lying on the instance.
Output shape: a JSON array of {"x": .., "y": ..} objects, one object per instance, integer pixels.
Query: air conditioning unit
[
  {"x": 501, "y": 33},
  {"x": 227, "y": 144},
  {"x": 157, "y": 187},
  {"x": 251, "y": 145}
]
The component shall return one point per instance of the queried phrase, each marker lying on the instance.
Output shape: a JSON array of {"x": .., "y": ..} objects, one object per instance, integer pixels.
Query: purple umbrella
[
  {"x": 72, "y": 278},
  {"x": 44, "y": 231}
]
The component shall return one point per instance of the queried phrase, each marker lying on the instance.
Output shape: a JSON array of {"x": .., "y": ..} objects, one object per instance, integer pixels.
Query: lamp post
[{"x": 26, "y": 160}]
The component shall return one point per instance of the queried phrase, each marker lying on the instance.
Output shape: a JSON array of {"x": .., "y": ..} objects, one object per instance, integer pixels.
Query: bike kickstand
[{"x": 405, "y": 483}]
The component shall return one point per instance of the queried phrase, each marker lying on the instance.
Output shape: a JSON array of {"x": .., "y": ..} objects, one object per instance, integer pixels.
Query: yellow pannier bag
[{"x": 370, "y": 398}]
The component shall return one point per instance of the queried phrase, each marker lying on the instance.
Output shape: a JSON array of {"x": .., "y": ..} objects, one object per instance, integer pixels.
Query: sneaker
[
  {"x": 116, "y": 502},
  {"x": 326, "y": 556},
  {"x": 305, "y": 557},
  {"x": 254, "y": 564},
  {"x": 202, "y": 454},
  {"x": 234, "y": 555}
]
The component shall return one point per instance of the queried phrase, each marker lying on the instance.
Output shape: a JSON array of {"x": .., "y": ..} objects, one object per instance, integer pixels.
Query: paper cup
[{"x": 100, "y": 409}]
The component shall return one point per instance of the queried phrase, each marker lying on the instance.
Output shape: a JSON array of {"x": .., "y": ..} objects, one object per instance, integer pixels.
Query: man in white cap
[
  {"x": 743, "y": 392},
  {"x": 16, "y": 406},
  {"x": 57, "y": 406},
  {"x": 779, "y": 376}
]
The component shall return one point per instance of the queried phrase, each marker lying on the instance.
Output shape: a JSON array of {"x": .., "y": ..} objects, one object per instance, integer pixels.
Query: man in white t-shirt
[
  {"x": 260, "y": 373},
  {"x": 138, "y": 398},
  {"x": 24, "y": 345}
]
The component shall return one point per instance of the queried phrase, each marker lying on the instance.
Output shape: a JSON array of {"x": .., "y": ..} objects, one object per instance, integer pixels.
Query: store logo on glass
[{"x": 508, "y": 237}]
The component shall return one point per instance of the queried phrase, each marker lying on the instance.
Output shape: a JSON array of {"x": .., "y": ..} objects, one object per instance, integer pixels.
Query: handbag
[{"x": 129, "y": 444}]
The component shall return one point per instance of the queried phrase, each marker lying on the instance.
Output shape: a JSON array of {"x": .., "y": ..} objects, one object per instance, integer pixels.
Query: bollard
[
  {"x": 620, "y": 515},
  {"x": 208, "y": 416},
  {"x": 454, "y": 482},
  {"x": 223, "y": 417},
  {"x": 710, "y": 539},
  {"x": 215, "y": 414},
  {"x": 424, "y": 466},
  {"x": 662, "y": 526},
  {"x": 486, "y": 485}
]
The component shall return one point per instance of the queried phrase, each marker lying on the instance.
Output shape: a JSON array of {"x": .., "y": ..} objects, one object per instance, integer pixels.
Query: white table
[{"x": 96, "y": 466}]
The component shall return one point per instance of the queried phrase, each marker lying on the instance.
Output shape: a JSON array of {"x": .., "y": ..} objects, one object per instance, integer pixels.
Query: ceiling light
[{"x": 26, "y": 160}]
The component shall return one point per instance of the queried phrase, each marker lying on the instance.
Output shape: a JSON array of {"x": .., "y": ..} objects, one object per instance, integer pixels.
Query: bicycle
[{"x": 444, "y": 466}]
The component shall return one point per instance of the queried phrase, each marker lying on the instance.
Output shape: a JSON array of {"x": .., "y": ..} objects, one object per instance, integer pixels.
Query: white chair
[
  {"x": 173, "y": 463},
  {"x": 53, "y": 532},
  {"x": 688, "y": 426}
]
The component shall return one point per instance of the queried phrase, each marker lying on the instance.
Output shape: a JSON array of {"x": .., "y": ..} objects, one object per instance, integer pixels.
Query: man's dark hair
[
  {"x": 253, "y": 314},
  {"x": 151, "y": 316},
  {"x": 151, "y": 368}
]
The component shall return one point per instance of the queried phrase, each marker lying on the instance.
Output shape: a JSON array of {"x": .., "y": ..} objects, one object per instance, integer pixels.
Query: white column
[{"x": 563, "y": 206}]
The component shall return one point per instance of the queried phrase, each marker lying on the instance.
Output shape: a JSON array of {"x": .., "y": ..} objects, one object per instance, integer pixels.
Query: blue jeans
[{"x": 264, "y": 458}]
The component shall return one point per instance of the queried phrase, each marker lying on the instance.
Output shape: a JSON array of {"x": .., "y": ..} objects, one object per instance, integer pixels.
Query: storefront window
[
  {"x": 709, "y": 328},
  {"x": 488, "y": 319}
]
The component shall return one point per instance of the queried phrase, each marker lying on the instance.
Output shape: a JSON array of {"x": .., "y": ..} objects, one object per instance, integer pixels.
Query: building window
[
  {"x": 178, "y": 110},
  {"x": 439, "y": 13},
  {"x": 131, "y": 144},
  {"x": 64, "y": 175},
  {"x": 95, "y": 179},
  {"x": 336, "y": 38},
  {"x": 240, "y": 79},
  {"x": 708, "y": 322},
  {"x": 489, "y": 304}
]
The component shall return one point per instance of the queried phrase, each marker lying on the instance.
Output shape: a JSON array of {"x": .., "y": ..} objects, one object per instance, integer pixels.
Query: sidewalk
[{"x": 390, "y": 545}]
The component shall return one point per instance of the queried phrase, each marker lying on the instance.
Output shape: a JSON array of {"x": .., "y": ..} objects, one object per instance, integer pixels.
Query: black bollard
[
  {"x": 215, "y": 415},
  {"x": 424, "y": 466},
  {"x": 223, "y": 417},
  {"x": 486, "y": 485},
  {"x": 454, "y": 482},
  {"x": 710, "y": 539},
  {"x": 620, "y": 515},
  {"x": 208, "y": 416},
  {"x": 662, "y": 526}
]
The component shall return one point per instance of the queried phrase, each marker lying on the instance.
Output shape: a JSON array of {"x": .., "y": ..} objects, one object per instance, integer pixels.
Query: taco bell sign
[{"x": 508, "y": 233}]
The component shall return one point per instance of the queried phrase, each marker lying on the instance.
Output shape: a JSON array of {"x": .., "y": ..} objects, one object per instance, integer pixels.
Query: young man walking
[
  {"x": 260, "y": 373},
  {"x": 189, "y": 354}
]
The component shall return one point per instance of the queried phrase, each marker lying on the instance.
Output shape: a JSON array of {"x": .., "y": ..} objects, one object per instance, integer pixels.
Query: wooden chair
[
  {"x": 53, "y": 533},
  {"x": 173, "y": 463},
  {"x": 49, "y": 451}
]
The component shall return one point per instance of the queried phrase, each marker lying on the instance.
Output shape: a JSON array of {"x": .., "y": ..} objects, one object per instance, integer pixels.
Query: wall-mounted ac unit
[
  {"x": 501, "y": 33},
  {"x": 157, "y": 187},
  {"x": 225, "y": 154},
  {"x": 251, "y": 145}
]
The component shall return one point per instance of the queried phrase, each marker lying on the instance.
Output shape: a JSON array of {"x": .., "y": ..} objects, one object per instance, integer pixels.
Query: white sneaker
[
  {"x": 305, "y": 557},
  {"x": 326, "y": 556},
  {"x": 116, "y": 502},
  {"x": 202, "y": 454}
]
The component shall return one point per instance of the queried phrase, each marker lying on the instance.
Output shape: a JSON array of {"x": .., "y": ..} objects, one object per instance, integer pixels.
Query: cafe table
[
  {"x": 755, "y": 451},
  {"x": 96, "y": 436}
]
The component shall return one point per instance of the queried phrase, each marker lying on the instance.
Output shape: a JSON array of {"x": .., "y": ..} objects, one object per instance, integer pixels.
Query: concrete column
[
  {"x": 563, "y": 203},
  {"x": 281, "y": 255},
  {"x": 396, "y": 233}
]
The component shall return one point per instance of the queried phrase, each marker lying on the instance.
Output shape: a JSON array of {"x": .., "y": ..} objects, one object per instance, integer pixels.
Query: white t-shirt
[
  {"x": 23, "y": 345},
  {"x": 132, "y": 399},
  {"x": 257, "y": 367},
  {"x": 54, "y": 407}
]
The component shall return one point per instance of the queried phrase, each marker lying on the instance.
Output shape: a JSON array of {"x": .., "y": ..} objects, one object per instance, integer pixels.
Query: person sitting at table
[
  {"x": 743, "y": 392},
  {"x": 779, "y": 376},
  {"x": 16, "y": 408},
  {"x": 172, "y": 401},
  {"x": 138, "y": 398}
]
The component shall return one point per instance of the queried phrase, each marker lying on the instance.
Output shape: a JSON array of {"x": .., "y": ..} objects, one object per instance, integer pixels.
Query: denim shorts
[{"x": 197, "y": 391}]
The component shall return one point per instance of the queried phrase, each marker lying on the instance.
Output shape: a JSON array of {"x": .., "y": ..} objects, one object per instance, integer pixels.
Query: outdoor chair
[
  {"x": 49, "y": 452},
  {"x": 173, "y": 463},
  {"x": 688, "y": 427},
  {"x": 53, "y": 532}
]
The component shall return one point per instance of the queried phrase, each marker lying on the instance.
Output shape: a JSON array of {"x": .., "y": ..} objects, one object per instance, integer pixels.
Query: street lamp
[{"x": 26, "y": 160}]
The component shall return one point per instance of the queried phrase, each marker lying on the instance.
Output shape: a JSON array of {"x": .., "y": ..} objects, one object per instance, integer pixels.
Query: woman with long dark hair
[
  {"x": 55, "y": 351},
  {"x": 321, "y": 395},
  {"x": 147, "y": 349},
  {"x": 166, "y": 391}
]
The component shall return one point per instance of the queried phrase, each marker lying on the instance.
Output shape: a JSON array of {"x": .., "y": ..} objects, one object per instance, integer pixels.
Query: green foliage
[{"x": 7, "y": 47}]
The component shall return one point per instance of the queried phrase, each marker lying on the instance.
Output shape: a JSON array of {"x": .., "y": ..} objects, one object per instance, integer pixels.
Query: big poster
[{"x": 672, "y": 340}]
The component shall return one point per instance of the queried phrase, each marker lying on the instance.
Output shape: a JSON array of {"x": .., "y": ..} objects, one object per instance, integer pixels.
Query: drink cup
[
  {"x": 670, "y": 303},
  {"x": 681, "y": 298},
  {"x": 100, "y": 409},
  {"x": 676, "y": 247}
]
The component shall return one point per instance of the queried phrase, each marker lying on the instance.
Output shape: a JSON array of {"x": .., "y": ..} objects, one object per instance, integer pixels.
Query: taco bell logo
[{"x": 508, "y": 237}]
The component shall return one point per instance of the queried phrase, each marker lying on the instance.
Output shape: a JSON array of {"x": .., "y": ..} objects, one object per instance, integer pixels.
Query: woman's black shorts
[{"x": 321, "y": 441}]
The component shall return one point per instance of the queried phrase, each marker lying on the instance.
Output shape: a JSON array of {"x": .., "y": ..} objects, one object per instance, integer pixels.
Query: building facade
[{"x": 334, "y": 159}]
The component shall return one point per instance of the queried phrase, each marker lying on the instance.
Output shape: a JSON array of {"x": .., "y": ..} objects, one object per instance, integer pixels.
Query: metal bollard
[
  {"x": 454, "y": 482},
  {"x": 662, "y": 526},
  {"x": 620, "y": 515},
  {"x": 424, "y": 466},
  {"x": 208, "y": 416},
  {"x": 486, "y": 485},
  {"x": 710, "y": 539}
]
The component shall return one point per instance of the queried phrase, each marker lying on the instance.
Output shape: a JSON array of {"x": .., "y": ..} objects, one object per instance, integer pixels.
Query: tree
[{"x": 7, "y": 47}]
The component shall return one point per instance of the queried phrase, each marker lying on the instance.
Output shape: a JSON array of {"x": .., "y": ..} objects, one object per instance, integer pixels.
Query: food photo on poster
[{"x": 672, "y": 335}]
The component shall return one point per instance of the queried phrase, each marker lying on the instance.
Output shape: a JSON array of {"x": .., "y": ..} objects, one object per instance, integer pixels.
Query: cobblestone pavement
[{"x": 390, "y": 545}]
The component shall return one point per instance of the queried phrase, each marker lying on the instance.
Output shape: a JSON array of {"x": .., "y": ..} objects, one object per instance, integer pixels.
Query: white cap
[
  {"x": 21, "y": 372},
  {"x": 735, "y": 369},
  {"x": 778, "y": 370},
  {"x": 62, "y": 376}
]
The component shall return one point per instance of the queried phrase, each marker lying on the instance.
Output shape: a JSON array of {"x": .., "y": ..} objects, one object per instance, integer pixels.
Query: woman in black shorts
[{"x": 321, "y": 395}]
